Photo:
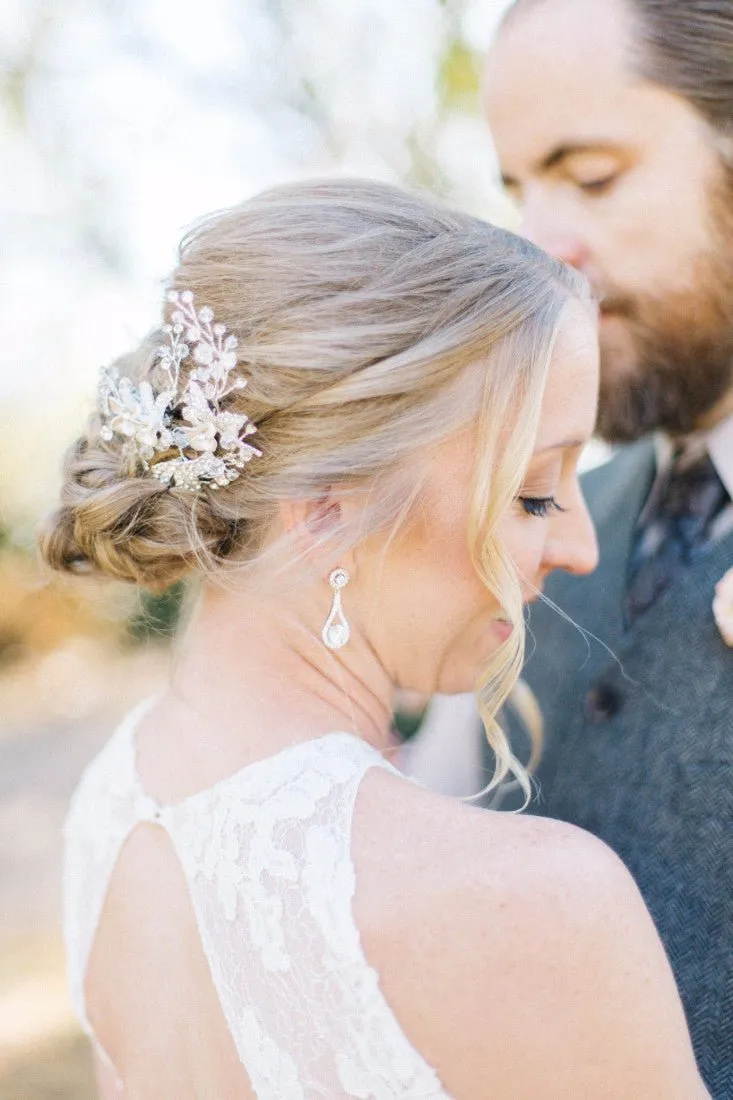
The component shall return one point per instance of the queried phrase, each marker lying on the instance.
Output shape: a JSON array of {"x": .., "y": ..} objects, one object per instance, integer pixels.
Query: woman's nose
[{"x": 574, "y": 544}]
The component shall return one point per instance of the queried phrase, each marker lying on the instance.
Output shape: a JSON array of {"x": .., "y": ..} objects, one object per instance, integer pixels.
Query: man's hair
[{"x": 687, "y": 47}]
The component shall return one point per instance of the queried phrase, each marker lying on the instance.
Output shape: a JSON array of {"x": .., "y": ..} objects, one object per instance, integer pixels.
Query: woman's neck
[{"x": 251, "y": 664}]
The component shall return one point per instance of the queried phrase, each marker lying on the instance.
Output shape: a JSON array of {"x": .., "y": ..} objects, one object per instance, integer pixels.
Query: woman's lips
[{"x": 502, "y": 628}]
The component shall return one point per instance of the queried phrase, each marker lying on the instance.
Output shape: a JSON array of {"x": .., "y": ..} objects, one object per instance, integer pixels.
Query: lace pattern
[{"x": 267, "y": 857}]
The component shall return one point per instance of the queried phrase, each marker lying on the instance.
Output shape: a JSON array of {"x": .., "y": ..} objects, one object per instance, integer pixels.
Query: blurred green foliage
[{"x": 460, "y": 76}]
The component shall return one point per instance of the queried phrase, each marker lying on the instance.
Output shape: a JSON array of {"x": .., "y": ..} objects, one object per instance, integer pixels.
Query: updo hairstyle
[{"x": 371, "y": 323}]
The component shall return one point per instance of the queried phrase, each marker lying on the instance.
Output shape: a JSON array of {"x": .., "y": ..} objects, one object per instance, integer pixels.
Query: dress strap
[{"x": 107, "y": 804}]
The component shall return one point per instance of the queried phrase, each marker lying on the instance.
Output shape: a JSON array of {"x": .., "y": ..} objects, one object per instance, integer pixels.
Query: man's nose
[{"x": 544, "y": 227}]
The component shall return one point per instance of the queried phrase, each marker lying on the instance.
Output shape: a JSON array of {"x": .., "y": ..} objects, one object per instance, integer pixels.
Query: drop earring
[{"x": 336, "y": 631}]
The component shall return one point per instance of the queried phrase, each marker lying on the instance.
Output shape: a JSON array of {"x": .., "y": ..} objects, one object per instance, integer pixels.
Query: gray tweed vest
[{"x": 639, "y": 746}]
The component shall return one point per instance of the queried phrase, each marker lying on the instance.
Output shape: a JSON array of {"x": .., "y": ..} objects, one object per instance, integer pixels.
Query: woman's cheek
[{"x": 525, "y": 543}]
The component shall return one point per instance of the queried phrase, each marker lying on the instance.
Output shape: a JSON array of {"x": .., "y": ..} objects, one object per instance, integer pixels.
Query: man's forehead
[
  {"x": 570, "y": 33},
  {"x": 559, "y": 73}
]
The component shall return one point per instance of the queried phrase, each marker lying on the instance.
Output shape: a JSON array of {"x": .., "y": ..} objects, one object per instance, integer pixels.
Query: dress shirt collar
[
  {"x": 720, "y": 449},
  {"x": 718, "y": 442}
]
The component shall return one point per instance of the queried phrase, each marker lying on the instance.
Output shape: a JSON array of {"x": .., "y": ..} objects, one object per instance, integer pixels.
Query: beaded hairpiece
[{"x": 180, "y": 436}]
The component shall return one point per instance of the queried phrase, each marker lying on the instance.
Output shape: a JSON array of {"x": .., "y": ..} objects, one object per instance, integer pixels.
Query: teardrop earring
[{"x": 336, "y": 631}]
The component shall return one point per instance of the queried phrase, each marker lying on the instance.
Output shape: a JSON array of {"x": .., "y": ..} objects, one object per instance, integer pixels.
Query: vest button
[{"x": 601, "y": 703}]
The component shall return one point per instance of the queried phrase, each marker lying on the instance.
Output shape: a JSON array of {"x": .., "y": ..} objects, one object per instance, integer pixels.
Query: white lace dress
[{"x": 266, "y": 854}]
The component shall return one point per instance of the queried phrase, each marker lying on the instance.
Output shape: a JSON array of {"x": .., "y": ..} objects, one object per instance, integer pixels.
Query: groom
[{"x": 613, "y": 122}]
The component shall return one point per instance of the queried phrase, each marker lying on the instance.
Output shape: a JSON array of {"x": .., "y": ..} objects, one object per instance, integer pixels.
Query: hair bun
[{"x": 129, "y": 528}]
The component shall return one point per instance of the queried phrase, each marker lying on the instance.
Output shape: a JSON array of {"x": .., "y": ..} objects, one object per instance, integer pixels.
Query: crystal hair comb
[{"x": 180, "y": 436}]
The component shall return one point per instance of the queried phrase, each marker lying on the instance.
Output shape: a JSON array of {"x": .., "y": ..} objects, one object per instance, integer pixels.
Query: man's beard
[{"x": 682, "y": 348}]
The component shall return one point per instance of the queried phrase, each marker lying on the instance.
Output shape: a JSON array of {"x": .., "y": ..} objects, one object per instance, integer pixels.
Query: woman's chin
[{"x": 462, "y": 676}]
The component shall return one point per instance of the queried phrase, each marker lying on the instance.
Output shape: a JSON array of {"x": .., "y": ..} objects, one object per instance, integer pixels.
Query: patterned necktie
[{"x": 674, "y": 529}]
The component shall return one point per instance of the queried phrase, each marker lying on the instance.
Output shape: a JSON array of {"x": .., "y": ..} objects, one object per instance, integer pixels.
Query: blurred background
[{"x": 120, "y": 123}]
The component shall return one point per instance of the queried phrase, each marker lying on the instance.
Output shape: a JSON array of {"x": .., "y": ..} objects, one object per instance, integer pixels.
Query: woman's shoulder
[
  {"x": 445, "y": 846},
  {"x": 509, "y": 944}
]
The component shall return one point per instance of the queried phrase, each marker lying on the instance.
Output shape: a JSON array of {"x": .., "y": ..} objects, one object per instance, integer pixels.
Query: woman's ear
[
  {"x": 314, "y": 518},
  {"x": 318, "y": 527}
]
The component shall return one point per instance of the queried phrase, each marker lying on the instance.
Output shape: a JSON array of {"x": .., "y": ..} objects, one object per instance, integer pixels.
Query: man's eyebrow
[{"x": 563, "y": 152}]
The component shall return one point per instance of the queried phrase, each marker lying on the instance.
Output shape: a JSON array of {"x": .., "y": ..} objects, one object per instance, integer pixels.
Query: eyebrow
[
  {"x": 560, "y": 446},
  {"x": 563, "y": 152}
]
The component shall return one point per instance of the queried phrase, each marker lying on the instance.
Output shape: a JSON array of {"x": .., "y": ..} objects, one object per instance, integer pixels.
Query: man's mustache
[{"x": 613, "y": 302}]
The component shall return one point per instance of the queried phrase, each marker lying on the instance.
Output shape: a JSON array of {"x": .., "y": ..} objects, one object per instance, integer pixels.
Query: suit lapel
[{"x": 617, "y": 513}]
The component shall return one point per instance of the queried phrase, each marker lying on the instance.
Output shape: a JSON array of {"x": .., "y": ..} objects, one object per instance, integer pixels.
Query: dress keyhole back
[{"x": 150, "y": 996}]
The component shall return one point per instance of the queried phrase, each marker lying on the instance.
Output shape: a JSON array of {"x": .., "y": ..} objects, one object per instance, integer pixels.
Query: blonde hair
[{"x": 371, "y": 323}]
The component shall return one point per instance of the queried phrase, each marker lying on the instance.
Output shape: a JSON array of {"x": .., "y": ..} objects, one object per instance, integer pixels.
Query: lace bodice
[{"x": 266, "y": 854}]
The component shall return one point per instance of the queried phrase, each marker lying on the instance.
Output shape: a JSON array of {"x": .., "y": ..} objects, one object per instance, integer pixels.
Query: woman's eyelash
[{"x": 540, "y": 506}]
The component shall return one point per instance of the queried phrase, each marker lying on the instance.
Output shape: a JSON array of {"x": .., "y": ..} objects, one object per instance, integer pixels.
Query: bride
[{"x": 356, "y": 430}]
